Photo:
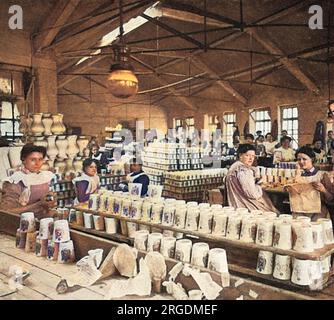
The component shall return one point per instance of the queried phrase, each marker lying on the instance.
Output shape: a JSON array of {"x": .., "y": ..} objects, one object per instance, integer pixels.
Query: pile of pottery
[
  {"x": 311, "y": 273},
  {"x": 277, "y": 176},
  {"x": 255, "y": 226},
  {"x": 42, "y": 124},
  {"x": 64, "y": 152},
  {"x": 172, "y": 157},
  {"x": 198, "y": 254},
  {"x": 51, "y": 241}
]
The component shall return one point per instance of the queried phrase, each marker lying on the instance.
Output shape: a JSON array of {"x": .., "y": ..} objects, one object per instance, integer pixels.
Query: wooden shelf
[
  {"x": 318, "y": 254},
  {"x": 111, "y": 236}
]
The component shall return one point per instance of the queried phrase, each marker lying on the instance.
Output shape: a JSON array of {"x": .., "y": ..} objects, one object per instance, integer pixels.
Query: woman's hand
[{"x": 319, "y": 187}]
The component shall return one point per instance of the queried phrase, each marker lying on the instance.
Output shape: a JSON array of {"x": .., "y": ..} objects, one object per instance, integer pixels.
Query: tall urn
[
  {"x": 24, "y": 125},
  {"x": 62, "y": 145},
  {"x": 41, "y": 142},
  {"x": 57, "y": 125},
  {"x": 72, "y": 149},
  {"x": 52, "y": 150},
  {"x": 47, "y": 123},
  {"x": 82, "y": 143},
  {"x": 14, "y": 155},
  {"x": 37, "y": 127}
]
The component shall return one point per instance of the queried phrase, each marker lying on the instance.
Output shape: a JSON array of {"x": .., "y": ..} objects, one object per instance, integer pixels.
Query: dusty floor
[{"x": 45, "y": 275}]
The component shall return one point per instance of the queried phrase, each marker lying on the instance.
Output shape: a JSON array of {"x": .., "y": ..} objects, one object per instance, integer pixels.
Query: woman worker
[
  {"x": 28, "y": 189},
  {"x": 243, "y": 191},
  {"x": 320, "y": 182},
  {"x": 88, "y": 182},
  {"x": 137, "y": 175}
]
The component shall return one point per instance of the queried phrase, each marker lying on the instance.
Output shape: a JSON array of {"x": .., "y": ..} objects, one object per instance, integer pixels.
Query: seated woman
[
  {"x": 284, "y": 153},
  {"x": 321, "y": 182},
  {"x": 88, "y": 182},
  {"x": 137, "y": 175},
  {"x": 243, "y": 191},
  {"x": 27, "y": 189}
]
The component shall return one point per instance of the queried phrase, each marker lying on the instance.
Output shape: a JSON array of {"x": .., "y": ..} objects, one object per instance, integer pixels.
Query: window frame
[
  {"x": 227, "y": 137},
  {"x": 253, "y": 117},
  {"x": 9, "y": 98},
  {"x": 293, "y": 132}
]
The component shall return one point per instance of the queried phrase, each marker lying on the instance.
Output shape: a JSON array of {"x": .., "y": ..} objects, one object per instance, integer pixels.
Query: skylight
[{"x": 131, "y": 25}]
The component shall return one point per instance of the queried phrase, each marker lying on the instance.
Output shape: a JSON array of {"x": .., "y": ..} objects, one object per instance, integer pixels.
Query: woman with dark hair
[
  {"x": 99, "y": 157},
  {"x": 319, "y": 180},
  {"x": 88, "y": 182},
  {"x": 243, "y": 190},
  {"x": 27, "y": 189}
]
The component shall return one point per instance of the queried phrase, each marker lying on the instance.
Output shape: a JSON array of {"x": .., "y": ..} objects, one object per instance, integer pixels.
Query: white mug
[
  {"x": 282, "y": 269},
  {"x": 218, "y": 260},
  {"x": 167, "y": 248},
  {"x": 200, "y": 254},
  {"x": 111, "y": 225},
  {"x": 265, "y": 262},
  {"x": 183, "y": 250},
  {"x": 140, "y": 239}
]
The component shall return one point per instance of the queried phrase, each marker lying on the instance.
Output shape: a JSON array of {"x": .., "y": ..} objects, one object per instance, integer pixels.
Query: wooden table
[{"x": 45, "y": 274}]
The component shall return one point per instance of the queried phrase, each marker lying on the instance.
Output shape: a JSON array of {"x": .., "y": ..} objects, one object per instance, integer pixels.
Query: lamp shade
[{"x": 123, "y": 83}]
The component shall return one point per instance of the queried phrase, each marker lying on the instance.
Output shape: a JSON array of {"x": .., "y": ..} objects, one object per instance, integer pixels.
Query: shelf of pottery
[
  {"x": 279, "y": 250},
  {"x": 192, "y": 184},
  {"x": 65, "y": 152},
  {"x": 51, "y": 239},
  {"x": 161, "y": 157}
]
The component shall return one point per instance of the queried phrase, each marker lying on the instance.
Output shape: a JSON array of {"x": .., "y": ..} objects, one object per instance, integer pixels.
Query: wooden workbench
[{"x": 45, "y": 274}]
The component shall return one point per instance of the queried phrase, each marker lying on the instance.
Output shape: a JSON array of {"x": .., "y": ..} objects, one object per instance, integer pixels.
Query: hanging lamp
[{"x": 122, "y": 81}]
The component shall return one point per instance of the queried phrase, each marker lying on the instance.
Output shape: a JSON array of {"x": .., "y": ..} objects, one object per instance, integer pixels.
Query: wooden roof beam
[
  {"x": 222, "y": 83},
  {"x": 186, "y": 16},
  {"x": 77, "y": 68},
  {"x": 291, "y": 65},
  {"x": 53, "y": 24},
  {"x": 298, "y": 5}
]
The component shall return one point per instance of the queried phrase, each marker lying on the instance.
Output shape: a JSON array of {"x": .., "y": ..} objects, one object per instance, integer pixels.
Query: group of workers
[{"x": 29, "y": 188}]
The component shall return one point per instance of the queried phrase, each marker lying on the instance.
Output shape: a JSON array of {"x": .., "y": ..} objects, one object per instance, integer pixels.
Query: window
[
  {"x": 190, "y": 126},
  {"x": 262, "y": 120},
  {"x": 187, "y": 123},
  {"x": 9, "y": 123},
  {"x": 213, "y": 124},
  {"x": 228, "y": 124},
  {"x": 289, "y": 116}
]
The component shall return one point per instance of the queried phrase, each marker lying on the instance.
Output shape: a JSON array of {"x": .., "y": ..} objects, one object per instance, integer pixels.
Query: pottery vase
[
  {"x": 69, "y": 165},
  {"x": 77, "y": 164},
  {"x": 29, "y": 123},
  {"x": 62, "y": 145},
  {"x": 61, "y": 165},
  {"x": 72, "y": 149},
  {"x": 51, "y": 163},
  {"x": 40, "y": 142},
  {"x": 82, "y": 143},
  {"x": 57, "y": 125},
  {"x": 45, "y": 166},
  {"x": 47, "y": 123},
  {"x": 37, "y": 127},
  {"x": 24, "y": 124},
  {"x": 52, "y": 150},
  {"x": 14, "y": 156}
]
